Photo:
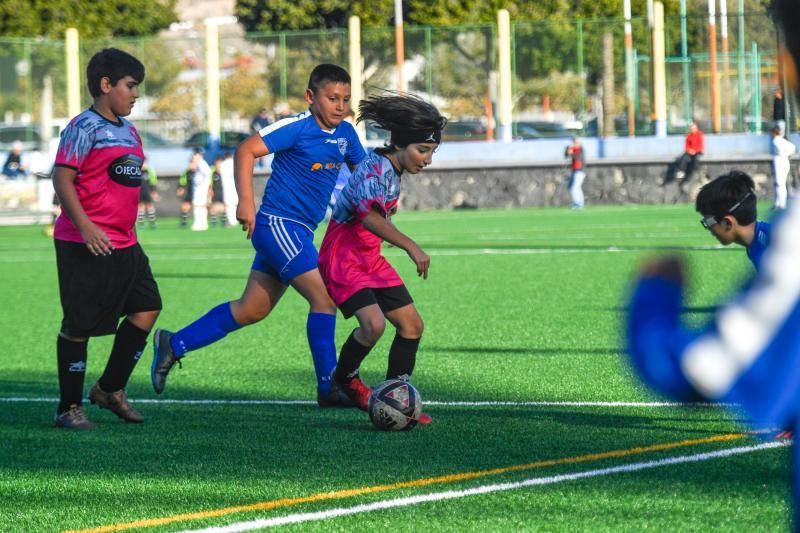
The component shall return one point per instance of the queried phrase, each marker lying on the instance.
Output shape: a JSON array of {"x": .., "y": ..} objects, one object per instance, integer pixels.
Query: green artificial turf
[{"x": 522, "y": 307}]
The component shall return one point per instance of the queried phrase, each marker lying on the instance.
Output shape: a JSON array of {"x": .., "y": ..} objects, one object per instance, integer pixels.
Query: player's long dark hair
[{"x": 401, "y": 114}]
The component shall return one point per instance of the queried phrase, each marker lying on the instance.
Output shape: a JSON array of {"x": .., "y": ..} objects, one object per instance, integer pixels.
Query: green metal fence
[{"x": 557, "y": 72}]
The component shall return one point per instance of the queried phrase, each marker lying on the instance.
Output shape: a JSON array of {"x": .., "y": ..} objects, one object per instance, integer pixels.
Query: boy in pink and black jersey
[{"x": 103, "y": 274}]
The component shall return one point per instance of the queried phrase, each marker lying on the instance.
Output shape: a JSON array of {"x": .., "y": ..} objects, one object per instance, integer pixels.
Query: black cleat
[
  {"x": 335, "y": 397},
  {"x": 163, "y": 359}
]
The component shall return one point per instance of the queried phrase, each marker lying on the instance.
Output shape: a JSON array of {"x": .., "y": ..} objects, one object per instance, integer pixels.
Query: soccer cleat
[
  {"x": 424, "y": 419},
  {"x": 335, "y": 397},
  {"x": 116, "y": 402},
  {"x": 358, "y": 392},
  {"x": 74, "y": 418},
  {"x": 163, "y": 359}
]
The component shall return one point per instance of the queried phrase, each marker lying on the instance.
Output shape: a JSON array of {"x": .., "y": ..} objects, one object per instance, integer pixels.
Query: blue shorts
[{"x": 284, "y": 248}]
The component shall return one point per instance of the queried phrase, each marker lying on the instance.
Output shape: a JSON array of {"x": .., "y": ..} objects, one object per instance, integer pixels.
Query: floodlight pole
[{"x": 399, "y": 45}]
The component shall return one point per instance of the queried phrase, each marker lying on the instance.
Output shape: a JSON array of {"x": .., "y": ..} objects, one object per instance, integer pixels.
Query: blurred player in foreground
[{"x": 749, "y": 355}]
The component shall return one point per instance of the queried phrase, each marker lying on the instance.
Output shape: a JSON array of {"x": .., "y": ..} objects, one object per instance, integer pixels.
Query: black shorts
[
  {"x": 388, "y": 299},
  {"x": 97, "y": 290},
  {"x": 145, "y": 193}
]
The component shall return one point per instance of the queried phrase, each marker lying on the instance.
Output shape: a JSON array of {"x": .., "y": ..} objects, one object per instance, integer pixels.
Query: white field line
[
  {"x": 299, "y": 518},
  {"x": 442, "y": 252},
  {"x": 22, "y": 399}
]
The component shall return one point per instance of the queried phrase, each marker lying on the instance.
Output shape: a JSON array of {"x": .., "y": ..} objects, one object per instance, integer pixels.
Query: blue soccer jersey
[
  {"x": 306, "y": 163},
  {"x": 759, "y": 244}
]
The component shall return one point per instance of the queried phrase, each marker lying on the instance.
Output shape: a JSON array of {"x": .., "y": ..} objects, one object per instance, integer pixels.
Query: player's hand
[
  {"x": 180, "y": 191},
  {"x": 155, "y": 196},
  {"x": 669, "y": 268},
  {"x": 421, "y": 259},
  {"x": 246, "y": 216},
  {"x": 97, "y": 242}
]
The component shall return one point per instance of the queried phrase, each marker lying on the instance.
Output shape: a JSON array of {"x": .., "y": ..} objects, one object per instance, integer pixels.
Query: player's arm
[
  {"x": 243, "y": 162},
  {"x": 95, "y": 238},
  {"x": 655, "y": 336},
  {"x": 375, "y": 222}
]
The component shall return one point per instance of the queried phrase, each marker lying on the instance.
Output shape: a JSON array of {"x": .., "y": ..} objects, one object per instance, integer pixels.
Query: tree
[
  {"x": 280, "y": 15},
  {"x": 45, "y": 18}
]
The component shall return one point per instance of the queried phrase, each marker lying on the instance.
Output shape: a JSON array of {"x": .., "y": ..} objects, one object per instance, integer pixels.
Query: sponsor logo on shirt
[{"x": 126, "y": 170}]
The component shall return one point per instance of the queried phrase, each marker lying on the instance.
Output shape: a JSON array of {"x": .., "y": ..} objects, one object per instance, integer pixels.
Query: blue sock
[
  {"x": 321, "y": 329},
  {"x": 207, "y": 329}
]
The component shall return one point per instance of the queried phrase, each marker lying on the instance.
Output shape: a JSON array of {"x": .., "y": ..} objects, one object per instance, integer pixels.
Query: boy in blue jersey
[
  {"x": 728, "y": 208},
  {"x": 309, "y": 149},
  {"x": 749, "y": 354}
]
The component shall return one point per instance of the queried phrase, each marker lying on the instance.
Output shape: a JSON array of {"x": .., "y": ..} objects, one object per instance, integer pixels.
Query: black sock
[
  {"x": 353, "y": 352},
  {"x": 128, "y": 346},
  {"x": 402, "y": 358},
  {"x": 71, "y": 371}
]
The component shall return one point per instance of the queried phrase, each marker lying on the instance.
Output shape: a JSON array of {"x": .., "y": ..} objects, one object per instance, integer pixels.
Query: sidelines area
[
  {"x": 453, "y": 478},
  {"x": 299, "y": 518}
]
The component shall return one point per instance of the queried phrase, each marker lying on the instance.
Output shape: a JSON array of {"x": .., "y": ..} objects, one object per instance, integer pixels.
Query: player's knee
[
  {"x": 412, "y": 329},
  {"x": 372, "y": 329},
  {"x": 245, "y": 315}
]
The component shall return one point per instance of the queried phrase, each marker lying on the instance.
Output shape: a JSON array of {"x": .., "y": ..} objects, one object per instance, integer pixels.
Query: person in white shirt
[
  {"x": 201, "y": 182},
  {"x": 229, "y": 194},
  {"x": 781, "y": 150}
]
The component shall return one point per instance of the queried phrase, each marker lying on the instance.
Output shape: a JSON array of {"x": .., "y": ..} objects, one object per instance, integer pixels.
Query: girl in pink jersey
[{"x": 359, "y": 279}]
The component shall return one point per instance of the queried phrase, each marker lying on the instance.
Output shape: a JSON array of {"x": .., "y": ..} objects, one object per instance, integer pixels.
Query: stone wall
[
  {"x": 609, "y": 182},
  {"x": 546, "y": 185}
]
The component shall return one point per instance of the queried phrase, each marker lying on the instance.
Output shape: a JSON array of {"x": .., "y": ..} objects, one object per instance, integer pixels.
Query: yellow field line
[{"x": 450, "y": 478}]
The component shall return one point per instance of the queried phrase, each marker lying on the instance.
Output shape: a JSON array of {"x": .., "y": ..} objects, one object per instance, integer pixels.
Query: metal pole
[
  {"x": 687, "y": 91},
  {"x": 73, "y": 73},
  {"x": 212, "y": 82},
  {"x": 504, "y": 104},
  {"x": 399, "y": 45},
  {"x": 756, "y": 68},
  {"x": 429, "y": 61},
  {"x": 629, "y": 89},
  {"x": 282, "y": 59},
  {"x": 355, "y": 64},
  {"x": 740, "y": 69},
  {"x": 582, "y": 96},
  {"x": 712, "y": 50},
  {"x": 726, "y": 66},
  {"x": 659, "y": 70}
]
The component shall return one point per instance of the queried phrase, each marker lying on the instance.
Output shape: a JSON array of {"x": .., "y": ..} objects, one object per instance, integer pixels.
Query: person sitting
[{"x": 14, "y": 168}]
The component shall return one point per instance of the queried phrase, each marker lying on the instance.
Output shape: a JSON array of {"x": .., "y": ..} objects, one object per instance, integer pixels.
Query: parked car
[
  {"x": 229, "y": 140},
  {"x": 152, "y": 140},
  {"x": 27, "y": 134},
  {"x": 464, "y": 130},
  {"x": 536, "y": 129}
]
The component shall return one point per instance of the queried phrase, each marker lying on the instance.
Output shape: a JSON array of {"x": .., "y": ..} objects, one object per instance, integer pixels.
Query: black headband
[{"x": 406, "y": 137}]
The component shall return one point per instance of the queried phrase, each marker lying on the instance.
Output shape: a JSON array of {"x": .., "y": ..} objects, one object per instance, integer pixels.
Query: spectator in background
[
  {"x": 260, "y": 120},
  {"x": 147, "y": 196},
  {"x": 14, "y": 169},
  {"x": 781, "y": 150},
  {"x": 201, "y": 183},
  {"x": 779, "y": 111},
  {"x": 229, "y": 194},
  {"x": 577, "y": 164},
  {"x": 282, "y": 111},
  {"x": 693, "y": 148},
  {"x": 217, "y": 203}
]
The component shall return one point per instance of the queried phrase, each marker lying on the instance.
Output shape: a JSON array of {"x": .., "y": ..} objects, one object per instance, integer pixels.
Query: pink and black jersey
[
  {"x": 108, "y": 158},
  {"x": 350, "y": 256}
]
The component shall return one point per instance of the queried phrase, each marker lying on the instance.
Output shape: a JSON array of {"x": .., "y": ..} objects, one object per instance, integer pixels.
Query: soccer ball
[{"x": 395, "y": 405}]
